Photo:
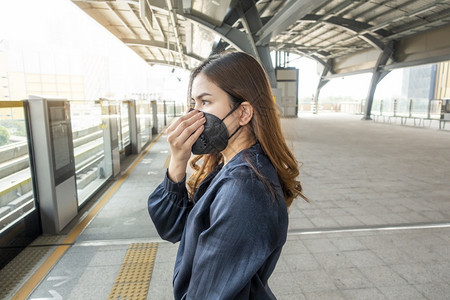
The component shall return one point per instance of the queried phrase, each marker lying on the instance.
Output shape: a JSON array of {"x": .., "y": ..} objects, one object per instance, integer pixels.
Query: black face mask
[{"x": 214, "y": 137}]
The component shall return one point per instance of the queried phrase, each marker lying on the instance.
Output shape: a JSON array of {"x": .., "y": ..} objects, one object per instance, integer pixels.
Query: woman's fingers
[
  {"x": 178, "y": 135},
  {"x": 190, "y": 130},
  {"x": 183, "y": 134},
  {"x": 186, "y": 116},
  {"x": 193, "y": 137}
]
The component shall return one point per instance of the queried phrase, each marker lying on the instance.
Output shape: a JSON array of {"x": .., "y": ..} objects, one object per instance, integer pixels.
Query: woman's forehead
[{"x": 201, "y": 84}]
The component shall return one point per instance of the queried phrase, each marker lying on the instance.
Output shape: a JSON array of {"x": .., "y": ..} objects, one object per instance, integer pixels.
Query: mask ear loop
[
  {"x": 232, "y": 111},
  {"x": 236, "y": 107},
  {"x": 234, "y": 132}
]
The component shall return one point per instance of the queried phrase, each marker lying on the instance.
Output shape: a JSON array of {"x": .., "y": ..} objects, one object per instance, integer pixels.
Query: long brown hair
[{"x": 244, "y": 79}]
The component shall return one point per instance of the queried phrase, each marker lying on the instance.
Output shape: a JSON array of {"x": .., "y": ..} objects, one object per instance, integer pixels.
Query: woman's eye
[{"x": 198, "y": 103}]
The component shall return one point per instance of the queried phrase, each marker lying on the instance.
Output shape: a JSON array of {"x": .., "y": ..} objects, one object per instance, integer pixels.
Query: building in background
[
  {"x": 418, "y": 82},
  {"x": 79, "y": 75},
  {"x": 430, "y": 82},
  {"x": 25, "y": 72},
  {"x": 442, "y": 86}
]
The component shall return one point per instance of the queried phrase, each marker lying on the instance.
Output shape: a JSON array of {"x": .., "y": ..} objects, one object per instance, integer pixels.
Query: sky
[{"x": 70, "y": 28}]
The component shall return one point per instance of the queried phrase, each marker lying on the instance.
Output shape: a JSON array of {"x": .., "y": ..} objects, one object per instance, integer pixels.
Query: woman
[{"x": 231, "y": 215}]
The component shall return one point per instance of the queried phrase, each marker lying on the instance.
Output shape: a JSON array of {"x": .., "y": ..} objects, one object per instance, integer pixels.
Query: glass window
[
  {"x": 16, "y": 188},
  {"x": 91, "y": 167}
]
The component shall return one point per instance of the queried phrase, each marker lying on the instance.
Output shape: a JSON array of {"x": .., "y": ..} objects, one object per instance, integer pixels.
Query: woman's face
[{"x": 209, "y": 98}]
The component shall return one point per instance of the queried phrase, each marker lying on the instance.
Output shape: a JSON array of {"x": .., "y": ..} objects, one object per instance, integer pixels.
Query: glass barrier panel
[
  {"x": 419, "y": 107},
  {"x": 145, "y": 120},
  {"x": 88, "y": 141},
  {"x": 116, "y": 114},
  {"x": 174, "y": 109},
  {"x": 403, "y": 107},
  {"x": 161, "y": 106},
  {"x": 124, "y": 133},
  {"x": 435, "y": 109},
  {"x": 179, "y": 109},
  {"x": 170, "y": 110},
  {"x": 16, "y": 188},
  {"x": 166, "y": 111}
]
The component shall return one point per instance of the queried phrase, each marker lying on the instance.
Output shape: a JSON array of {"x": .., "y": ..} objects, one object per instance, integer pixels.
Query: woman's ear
[{"x": 246, "y": 113}]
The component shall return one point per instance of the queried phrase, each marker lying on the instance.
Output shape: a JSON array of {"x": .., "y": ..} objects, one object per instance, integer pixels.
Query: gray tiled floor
[{"x": 358, "y": 174}]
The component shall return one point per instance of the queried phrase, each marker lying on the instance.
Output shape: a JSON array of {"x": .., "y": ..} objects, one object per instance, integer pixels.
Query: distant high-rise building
[
  {"x": 418, "y": 82},
  {"x": 427, "y": 82},
  {"x": 442, "y": 86}
]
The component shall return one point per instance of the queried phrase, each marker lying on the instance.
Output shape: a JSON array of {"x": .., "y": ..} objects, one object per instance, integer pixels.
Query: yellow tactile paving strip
[
  {"x": 134, "y": 276},
  {"x": 12, "y": 274}
]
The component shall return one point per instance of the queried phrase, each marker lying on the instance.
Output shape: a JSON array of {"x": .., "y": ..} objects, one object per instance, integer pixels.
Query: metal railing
[
  {"x": 417, "y": 111},
  {"x": 423, "y": 108}
]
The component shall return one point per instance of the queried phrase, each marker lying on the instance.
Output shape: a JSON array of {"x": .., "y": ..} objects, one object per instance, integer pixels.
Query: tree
[{"x": 4, "y": 136}]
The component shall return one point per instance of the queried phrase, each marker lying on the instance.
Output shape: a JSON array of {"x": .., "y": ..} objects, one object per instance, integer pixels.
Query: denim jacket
[{"x": 230, "y": 234}]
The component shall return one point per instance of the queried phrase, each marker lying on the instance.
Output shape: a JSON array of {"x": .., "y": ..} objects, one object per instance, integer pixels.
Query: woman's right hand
[{"x": 181, "y": 135}]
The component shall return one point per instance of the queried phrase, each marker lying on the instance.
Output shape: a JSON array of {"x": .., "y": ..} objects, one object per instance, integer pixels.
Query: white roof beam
[
  {"x": 173, "y": 20},
  {"x": 122, "y": 20},
  {"x": 140, "y": 22},
  {"x": 163, "y": 62},
  {"x": 158, "y": 45}
]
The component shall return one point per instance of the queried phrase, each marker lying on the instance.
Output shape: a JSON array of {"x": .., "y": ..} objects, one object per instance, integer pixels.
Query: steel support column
[
  {"x": 252, "y": 23},
  {"x": 230, "y": 34},
  {"x": 378, "y": 74},
  {"x": 322, "y": 82},
  {"x": 243, "y": 41},
  {"x": 266, "y": 61}
]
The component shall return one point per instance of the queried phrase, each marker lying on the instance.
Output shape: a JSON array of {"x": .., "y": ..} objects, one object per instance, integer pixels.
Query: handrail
[{"x": 86, "y": 164}]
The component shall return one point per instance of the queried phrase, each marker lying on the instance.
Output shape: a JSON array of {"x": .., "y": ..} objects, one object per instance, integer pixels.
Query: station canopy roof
[{"x": 181, "y": 33}]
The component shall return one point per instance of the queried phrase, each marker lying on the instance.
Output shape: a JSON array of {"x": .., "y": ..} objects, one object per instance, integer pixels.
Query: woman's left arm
[
  {"x": 169, "y": 207},
  {"x": 245, "y": 229}
]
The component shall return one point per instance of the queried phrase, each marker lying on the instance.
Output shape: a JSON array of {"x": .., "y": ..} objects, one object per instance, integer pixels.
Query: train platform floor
[{"x": 377, "y": 227}]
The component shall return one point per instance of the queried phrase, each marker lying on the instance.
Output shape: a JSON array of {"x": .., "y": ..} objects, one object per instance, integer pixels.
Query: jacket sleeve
[
  {"x": 244, "y": 231},
  {"x": 169, "y": 207}
]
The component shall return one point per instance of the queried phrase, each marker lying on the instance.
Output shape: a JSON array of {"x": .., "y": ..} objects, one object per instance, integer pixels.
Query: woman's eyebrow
[{"x": 202, "y": 95}]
